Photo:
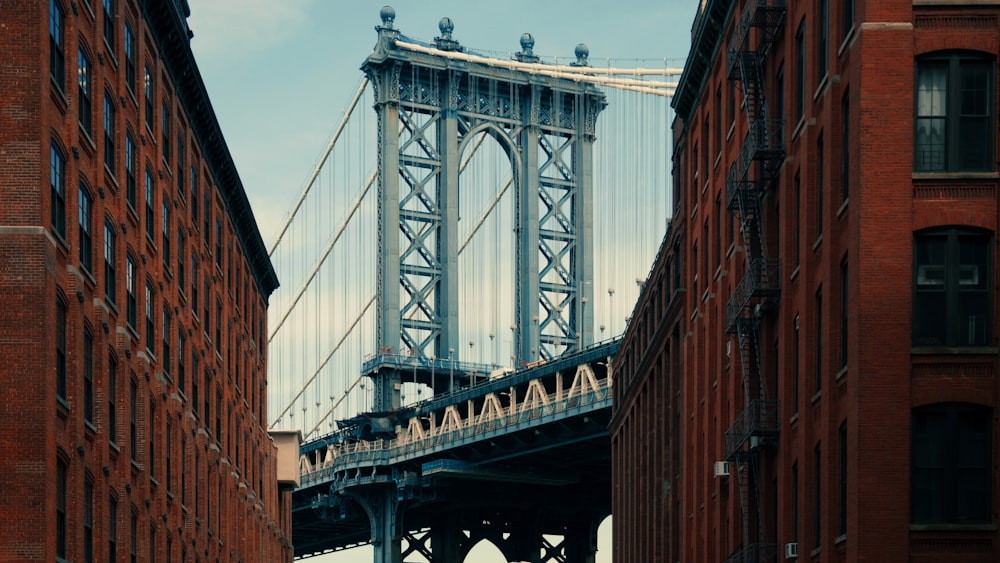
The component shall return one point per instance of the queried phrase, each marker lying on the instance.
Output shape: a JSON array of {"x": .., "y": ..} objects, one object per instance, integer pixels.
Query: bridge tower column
[{"x": 581, "y": 542}]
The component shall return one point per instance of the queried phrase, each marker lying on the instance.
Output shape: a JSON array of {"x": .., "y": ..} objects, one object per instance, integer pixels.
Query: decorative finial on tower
[
  {"x": 527, "y": 44},
  {"x": 388, "y": 16},
  {"x": 445, "y": 42},
  {"x": 581, "y": 52}
]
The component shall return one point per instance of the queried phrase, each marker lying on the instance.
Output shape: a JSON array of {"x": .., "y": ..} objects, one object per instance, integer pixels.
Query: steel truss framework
[{"x": 430, "y": 110}]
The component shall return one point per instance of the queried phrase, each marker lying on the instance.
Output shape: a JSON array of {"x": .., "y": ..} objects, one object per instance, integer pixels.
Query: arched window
[
  {"x": 950, "y": 464},
  {"x": 951, "y": 293}
]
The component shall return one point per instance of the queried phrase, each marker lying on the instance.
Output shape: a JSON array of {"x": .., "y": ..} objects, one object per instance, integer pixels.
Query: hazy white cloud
[{"x": 237, "y": 28}]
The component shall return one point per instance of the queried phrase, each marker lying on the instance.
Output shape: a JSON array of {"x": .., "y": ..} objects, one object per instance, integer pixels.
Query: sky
[{"x": 281, "y": 73}]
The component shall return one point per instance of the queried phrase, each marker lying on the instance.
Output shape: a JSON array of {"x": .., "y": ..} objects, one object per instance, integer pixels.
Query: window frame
[
  {"x": 84, "y": 83},
  {"x": 57, "y": 183},
  {"x": 85, "y": 222},
  {"x": 57, "y": 55}
]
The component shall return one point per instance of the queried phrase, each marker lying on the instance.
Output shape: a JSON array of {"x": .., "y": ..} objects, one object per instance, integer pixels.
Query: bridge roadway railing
[{"x": 503, "y": 406}]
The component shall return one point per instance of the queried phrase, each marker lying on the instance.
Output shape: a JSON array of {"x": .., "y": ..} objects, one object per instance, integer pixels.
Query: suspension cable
[{"x": 319, "y": 165}]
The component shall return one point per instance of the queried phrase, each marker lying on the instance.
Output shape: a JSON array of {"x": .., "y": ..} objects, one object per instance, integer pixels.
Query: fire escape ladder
[{"x": 752, "y": 172}]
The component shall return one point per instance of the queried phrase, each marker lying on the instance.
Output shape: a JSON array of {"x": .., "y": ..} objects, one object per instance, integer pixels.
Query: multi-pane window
[
  {"x": 181, "y": 268},
  {"x": 147, "y": 81},
  {"x": 129, "y": 58},
  {"x": 180, "y": 164},
  {"x": 88, "y": 375},
  {"x": 795, "y": 367},
  {"x": 800, "y": 70},
  {"x": 133, "y": 412},
  {"x": 165, "y": 219},
  {"x": 181, "y": 358},
  {"x": 845, "y": 147},
  {"x": 797, "y": 217},
  {"x": 194, "y": 194},
  {"x": 847, "y": 16},
  {"x": 844, "y": 304},
  {"x": 206, "y": 213},
  {"x": 954, "y": 114},
  {"x": 194, "y": 283},
  {"x": 194, "y": 382},
  {"x": 151, "y": 433},
  {"x": 130, "y": 170},
  {"x": 952, "y": 284},
  {"x": 130, "y": 308},
  {"x": 109, "y": 23},
  {"x": 57, "y": 57},
  {"x": 150, "y": 319},
  {"x": 61, "y": 311},
  {"x": 165, "y": 128},
  {"x": 112, "y": 529},
  {"x": 88, "y": 520},
  {"x": 57, "y": 179},
  {"x": 61, "y": 475},
  {"x": 86, "y": 220},
  {"x": 822, "y": 39},
  {"x": 167, "y": 335},
  {"x": 150, "y": 228},
  {"x": 820, "y": 162},
  {"x": 207, "y": 319},
  {"x": 819, "y": 340},
  {"x": 112, "y": 399},
  {"x": 218, "y": 242},
  {"x": 952, "y": 470},
  {"x": 110, "y": 262},
  {"x": 109, "y": 132},
  {"x": 84, "y": 92}
]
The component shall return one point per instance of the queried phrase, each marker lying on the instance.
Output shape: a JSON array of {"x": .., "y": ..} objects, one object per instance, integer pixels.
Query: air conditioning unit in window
[
  {"x": 792, "y": 550},
  {"x": 721, "y": 469}
]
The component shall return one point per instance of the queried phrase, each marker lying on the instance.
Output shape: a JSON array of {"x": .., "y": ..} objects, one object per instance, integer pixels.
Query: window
[
  {"x": 57, "y": 177},
  {"x": 845, "y": 147},
  {"x": 194, "y": 194},
  {"x": 819, "y": 339},
  {"x": 165, "y": 129},
  {"x": 218, "y": 242},
  {"x": 150, "y": 320},
  {"x": 797, "y": 217},
  {"x": 207, "y": 319},
  {"x": 181, "y": 353},
  {"x": 951, "y": 464},
  {"x": 194, "y": 382},
  {"x": 129, "y": 59},
  {"x": 795, "y": 367},
  {"x": 61, "y": 311},
  {"x": 130, "y": 291},
  {"x": 800, "y": 70},
  {"x": 795, "y": 502},
  {"x": 151, "y": 432},
  {"x": 134, "y": 536},
  {"x": 152, "y": 545},
  {"x": 206, "y": 396},
  {"x": 112, "y": 530},
  {"x": 844, "y": 304},
  {"x": 109, "y": 132},
  {"x": 694, "y": 269},
  {"x": 718, "y": 120},
  {"x": 88, "y": 375},
  {"x": 88, "y": 519},
  {"x": 206, "y": 213},
  {"x": 147, "y": 80},
  {"x": 180, "y": 164},
  {"x": 61, "y": 471},
  {"x": 112, "y": 399},
  {"x": 167, "y": 335},
  {"x": 822, "y": 39},
  {"x": 843, "y": 478},
  {"x": 718, "y": 232},
  {"x": 109, "y": 23},
  {"x": 181, "y": 268},
  {"x": 954, "y": 114},
  {"x": 84, "y": 94},
  {"x": 86, "y": 230},
  {"x": 732, "y": 103},
  {"x": 57, "y": 58},
  {"x": 194, "y": 283},
  {"x": 130, "y": 170},
  {"x": 820, "y": 162},
  {"x": 848, "y": 17},
  {"x": 165, "y": 219},
  {"x": 150, "y": 228},
  {"x": 133, "y": 430},
  {"x": 110, "y": 261},
  {"x": 817, "y": 497},
  {"x": 952, "y": 283}
]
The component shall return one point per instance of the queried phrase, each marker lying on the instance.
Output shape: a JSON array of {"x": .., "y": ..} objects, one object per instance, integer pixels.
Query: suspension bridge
[{"x": 456, "y": 272}]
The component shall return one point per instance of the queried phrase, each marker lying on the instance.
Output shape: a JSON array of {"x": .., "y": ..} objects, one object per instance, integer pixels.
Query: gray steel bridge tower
[{"x": 430, "y": 108}]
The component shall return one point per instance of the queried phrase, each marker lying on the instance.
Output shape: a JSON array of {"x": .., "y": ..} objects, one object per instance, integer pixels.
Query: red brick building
[
  {"x": 836, "y": 182},
  {"x": 133, "y": 299}
]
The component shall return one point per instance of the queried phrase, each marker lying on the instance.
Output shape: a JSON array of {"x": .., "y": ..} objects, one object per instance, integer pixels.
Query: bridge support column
[
  {"x": 581, "y": 543},
  {"x": 384, "y": 513},
  {"x": 446, "y": 542}
]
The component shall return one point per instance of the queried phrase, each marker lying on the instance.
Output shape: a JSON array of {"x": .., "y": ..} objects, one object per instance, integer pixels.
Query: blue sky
[{"x": 280, "y": 74}]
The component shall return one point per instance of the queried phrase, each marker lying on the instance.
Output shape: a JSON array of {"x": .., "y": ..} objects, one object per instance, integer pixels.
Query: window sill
[
  {"x": 818, "y": 243},
  {"x": 816, "y": 397},
  {"x": 793, "y": 420},
  {"x": 840, "y": 374},
  {"x": 794, "y": 274},
  {"x": 848, "y": 38},
  {"x": 815, "y": 552},
  {"x": 732, "y": 128},
  {"x": 62, "y": 406},
  {"x": 954, "y": 351},
  {"x": 841, "y": 209},
  {"x": 956, "y": 176},
  {"x": 821, "y": 87},
  {"x": 842, "y": 538}
]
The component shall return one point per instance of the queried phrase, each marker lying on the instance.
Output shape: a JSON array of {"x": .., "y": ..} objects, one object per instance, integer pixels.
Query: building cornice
[{"x": 706, "y": 40}]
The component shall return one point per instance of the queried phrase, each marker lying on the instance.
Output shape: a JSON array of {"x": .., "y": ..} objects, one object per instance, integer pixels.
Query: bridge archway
[{"x": 485, "y": 552}]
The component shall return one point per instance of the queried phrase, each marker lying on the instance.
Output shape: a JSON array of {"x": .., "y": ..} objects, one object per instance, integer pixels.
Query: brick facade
[
  {"x": 844, "y": 479},
  {"x": 133, "y": 300}
]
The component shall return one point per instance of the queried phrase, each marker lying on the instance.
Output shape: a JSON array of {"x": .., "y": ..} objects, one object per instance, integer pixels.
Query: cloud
[{"x": 242, "y": 27}]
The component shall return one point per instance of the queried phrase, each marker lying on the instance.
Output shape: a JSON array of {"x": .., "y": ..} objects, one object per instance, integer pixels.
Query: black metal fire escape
[{"x": 750, "y": 175}]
